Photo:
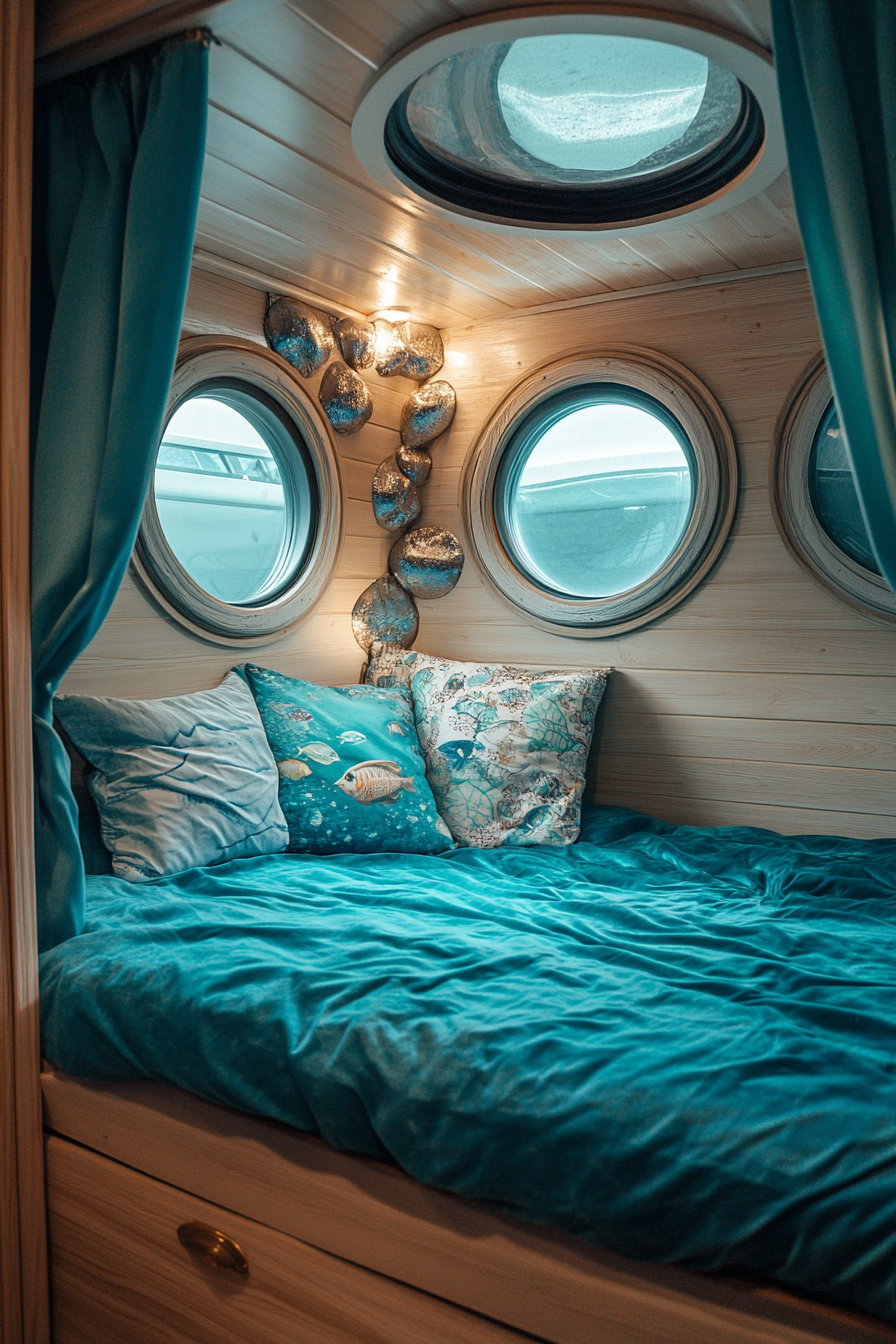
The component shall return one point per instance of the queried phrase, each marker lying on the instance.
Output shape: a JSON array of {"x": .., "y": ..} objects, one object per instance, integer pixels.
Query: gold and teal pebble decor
[{"x": 424, "y": 562}]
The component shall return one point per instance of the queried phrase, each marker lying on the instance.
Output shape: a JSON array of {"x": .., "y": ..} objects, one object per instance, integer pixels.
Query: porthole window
[
  {"x": 573, "y": 120},
  {"x": 595, "y": 491},
  {"x": 237, "y": 538},
  {"x": 815, "y": 500},
  {"x": 601, "y": 492}
]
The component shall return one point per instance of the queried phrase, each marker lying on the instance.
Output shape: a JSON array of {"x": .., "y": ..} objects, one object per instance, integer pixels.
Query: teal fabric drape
[
  {"x": 118, "y": 162},
  {"x": 836, "y": 64}
]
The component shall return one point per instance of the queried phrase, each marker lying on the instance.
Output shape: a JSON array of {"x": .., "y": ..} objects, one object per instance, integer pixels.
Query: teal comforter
[{"x": 677, "y": 1043}]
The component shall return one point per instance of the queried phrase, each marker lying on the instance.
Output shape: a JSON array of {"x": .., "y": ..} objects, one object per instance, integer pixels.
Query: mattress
[{"x": 677, "y": 1043}]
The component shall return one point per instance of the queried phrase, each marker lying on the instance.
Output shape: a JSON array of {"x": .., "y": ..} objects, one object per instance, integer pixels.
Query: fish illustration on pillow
[
  {"x": 293, "y": 769},
  {"x": 321, "y": 752},
  {"x": 375, "y": 782}
]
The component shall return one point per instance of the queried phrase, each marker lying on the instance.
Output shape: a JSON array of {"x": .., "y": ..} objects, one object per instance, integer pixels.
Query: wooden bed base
[{"x": 341, "y": 1248}]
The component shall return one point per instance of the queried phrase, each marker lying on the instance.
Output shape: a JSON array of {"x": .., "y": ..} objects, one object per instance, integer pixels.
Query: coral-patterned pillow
[{"x": 505, "y": 749}]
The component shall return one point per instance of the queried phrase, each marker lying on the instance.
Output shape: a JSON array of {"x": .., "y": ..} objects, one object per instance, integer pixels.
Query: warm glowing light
[
  {"x": 384, "y": 340},
  {"x": 388, "y": 288}
]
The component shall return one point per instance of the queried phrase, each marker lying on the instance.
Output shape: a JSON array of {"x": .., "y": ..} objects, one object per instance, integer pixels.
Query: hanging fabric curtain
[
  {"x": 836, "y": 65},
  {"x": 118, "y": 162}
]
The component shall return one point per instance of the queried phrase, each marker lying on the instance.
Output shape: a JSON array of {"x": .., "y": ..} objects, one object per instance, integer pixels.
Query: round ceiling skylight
[
  {"x": 566, "y": 120},
  {"x": 604, "y": 104}
]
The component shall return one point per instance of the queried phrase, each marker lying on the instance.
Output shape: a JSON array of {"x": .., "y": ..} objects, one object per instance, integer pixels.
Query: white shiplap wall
[{"x": 759, "y": 700}]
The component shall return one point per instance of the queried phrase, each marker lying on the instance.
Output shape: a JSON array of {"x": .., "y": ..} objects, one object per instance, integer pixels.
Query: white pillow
[
  {"x": 181, "y": 782},
  {"x": 505, "y": 750}
]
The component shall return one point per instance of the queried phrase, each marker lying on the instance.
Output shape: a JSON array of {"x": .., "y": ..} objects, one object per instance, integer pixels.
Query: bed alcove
[{"x": 760, "y": 699}]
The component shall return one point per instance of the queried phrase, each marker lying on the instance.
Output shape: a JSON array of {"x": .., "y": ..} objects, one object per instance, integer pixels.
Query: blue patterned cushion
[
  {"x": 505, "y": 750},
  {"x": 179, "y": 782},
  {"x": 352, "y": 777}
]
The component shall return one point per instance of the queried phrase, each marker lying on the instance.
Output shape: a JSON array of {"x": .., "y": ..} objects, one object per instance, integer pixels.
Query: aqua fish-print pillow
[
  {"x": 352, "y": 776},
  {"x": 505, "y": 750}
]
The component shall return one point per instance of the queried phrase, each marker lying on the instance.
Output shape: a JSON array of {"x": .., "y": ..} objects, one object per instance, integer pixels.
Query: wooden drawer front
[{"x": 120, "y": 1276}]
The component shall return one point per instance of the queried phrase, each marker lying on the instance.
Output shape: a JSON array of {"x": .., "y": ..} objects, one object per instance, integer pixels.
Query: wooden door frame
[{"x": 24, "y": 1303}]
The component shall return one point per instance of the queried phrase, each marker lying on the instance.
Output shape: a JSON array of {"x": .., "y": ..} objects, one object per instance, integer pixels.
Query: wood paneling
[
  {"x": 508, "y": 270},
  {"x": 305, "y": 56},
  {"x": 285, "y": 84},
  {"x": 770, "y": 784},
  {"x": 23, "y": 1286},
  {"x": 120, "y": 1273},
  {"x": 758, "y": 644},
  {"x": 685, "y": 811},
  {"x": 284, "y": 87},
  {"x": 381, "y": 28},
  {"x": 300, "y": 147},
  {"x": 376, "y": 1216},
  {"x": 857, "y": 745},
  {"x": 367, "y": 262}
]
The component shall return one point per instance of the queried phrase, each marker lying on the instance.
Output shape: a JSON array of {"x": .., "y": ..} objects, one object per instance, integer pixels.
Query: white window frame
[
  {"x": 715, "y": 493},
  {"x": 804, "y": 536},
  {"x": 204, "y": 358}
]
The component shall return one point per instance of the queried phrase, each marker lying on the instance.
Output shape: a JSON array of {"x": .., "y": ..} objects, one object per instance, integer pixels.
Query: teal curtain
[
  {"x": 836, "y": 64},
  {"x": 118, "y": 162}
]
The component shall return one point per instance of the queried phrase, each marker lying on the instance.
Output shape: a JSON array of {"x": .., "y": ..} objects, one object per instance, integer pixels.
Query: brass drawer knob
[{"x": 212, "y": 1247}]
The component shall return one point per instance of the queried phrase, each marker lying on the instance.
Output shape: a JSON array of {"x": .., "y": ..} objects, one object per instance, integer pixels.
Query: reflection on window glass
[
  {"x": 572, "y": 110},
  {"x": 599, "y": 103},
  {"x": 595, "y": 503},
  {"x": 220, "y": 501},
  {"x": 832, "y": 489}
]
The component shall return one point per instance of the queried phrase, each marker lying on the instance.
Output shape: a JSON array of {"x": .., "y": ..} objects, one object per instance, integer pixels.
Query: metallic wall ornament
[
  {"x": 427, "y": 561},
  {"x": 345, "y": 398},
  {"x": 299, "y": 335},
  {"x": 385, "y": 612},
  {"x": 414, "y": 462},
  {"x": 411, "y": 349},
  {"x": 357, "y": 341},
  {"x": 424, "y": 353},
  {"x": 427, "y": 413},
  {"x": 396, "y": 502}
]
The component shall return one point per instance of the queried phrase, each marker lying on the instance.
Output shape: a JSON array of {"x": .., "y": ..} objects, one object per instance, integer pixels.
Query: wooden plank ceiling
[{"x": 284, "y": 196}]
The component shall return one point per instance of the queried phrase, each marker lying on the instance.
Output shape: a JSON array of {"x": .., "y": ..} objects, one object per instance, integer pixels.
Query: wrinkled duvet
[{"x": 677, "y": 1043}]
